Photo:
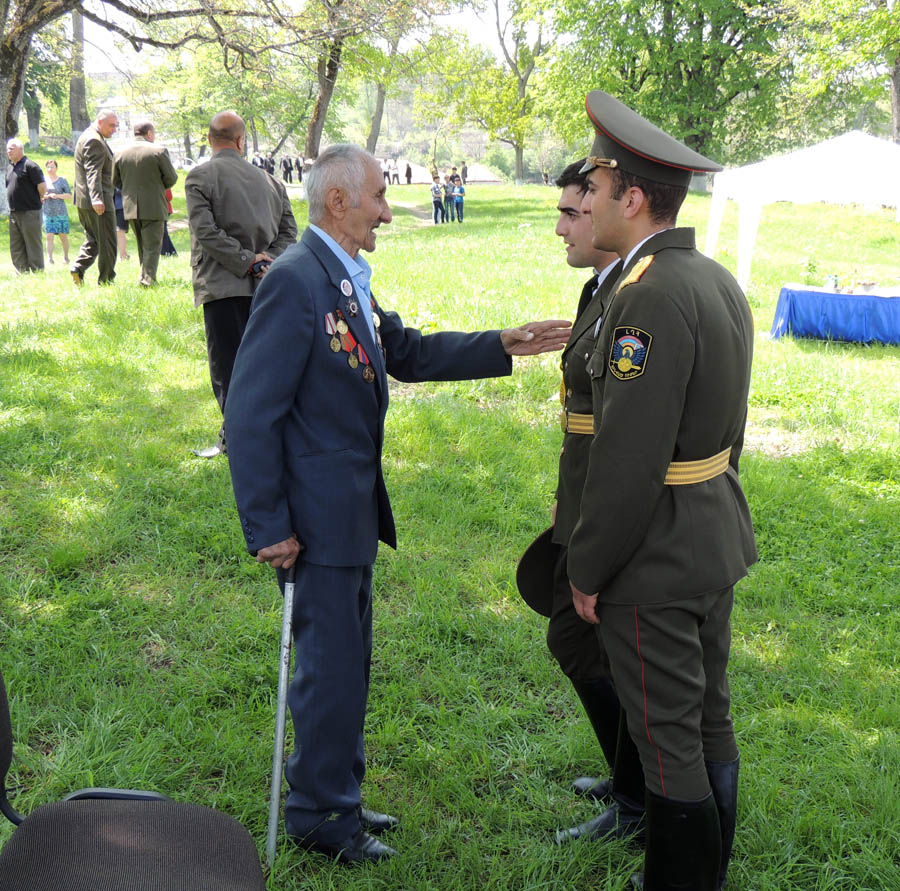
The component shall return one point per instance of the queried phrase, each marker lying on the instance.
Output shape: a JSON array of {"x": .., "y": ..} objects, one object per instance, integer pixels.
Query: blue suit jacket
[{"x": 305, "y": 430}]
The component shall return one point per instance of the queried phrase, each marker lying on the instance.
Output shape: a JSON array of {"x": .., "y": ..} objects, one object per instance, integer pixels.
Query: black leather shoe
[
  {"x": 359, "y": 848},
  {"x": 600, "y": 789},
  {"x": 375, "y": 823},
  {"x": 616, "y": 822},
  {"x": 212, "y": 451}
]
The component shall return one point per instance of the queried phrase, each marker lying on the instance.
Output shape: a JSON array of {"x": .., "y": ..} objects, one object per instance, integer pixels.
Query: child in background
[
  {"x": 459, "y": 194},
  {"x": 437, "y": 201}
]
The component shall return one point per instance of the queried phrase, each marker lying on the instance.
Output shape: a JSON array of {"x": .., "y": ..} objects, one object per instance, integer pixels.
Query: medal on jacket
[
  {"x": 376, "y": 322},
  {"x": 368, "y": 372},
  {"x": 331, "y": 327}
]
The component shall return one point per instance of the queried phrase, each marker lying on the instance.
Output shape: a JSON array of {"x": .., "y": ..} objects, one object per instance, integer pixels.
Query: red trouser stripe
[{"x": 637, "y": 639}]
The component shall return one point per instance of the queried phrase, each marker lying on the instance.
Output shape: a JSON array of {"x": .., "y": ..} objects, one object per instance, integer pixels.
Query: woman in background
[{"x": 56, "y": 216}]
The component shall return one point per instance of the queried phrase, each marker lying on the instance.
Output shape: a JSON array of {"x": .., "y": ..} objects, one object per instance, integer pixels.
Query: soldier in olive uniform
[
  {"x": 572, "y": 641},
  {"x": 663, "y": 531}
]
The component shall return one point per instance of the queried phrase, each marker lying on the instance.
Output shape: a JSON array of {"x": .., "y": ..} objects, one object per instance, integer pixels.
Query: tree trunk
[
  {"x": 77, "y": 101},
  {"x": 520, "y": 164},
  {"x": 13, "y": 60},
  {"x": 254, "y": 136},
  {"x": 375, "y": 128},
  {"x": 895, "y": 101},
  {"x": 188, "y": 150},
  {"x": 326, "y": 74},
  {"x": 32, "y": 103}
]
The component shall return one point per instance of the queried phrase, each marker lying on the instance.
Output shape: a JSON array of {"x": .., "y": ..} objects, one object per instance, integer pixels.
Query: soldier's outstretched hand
[{"x": 536, "y": 337}]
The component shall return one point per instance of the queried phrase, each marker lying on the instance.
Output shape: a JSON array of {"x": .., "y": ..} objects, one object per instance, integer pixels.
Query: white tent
[{"x": 851, "y": 169}]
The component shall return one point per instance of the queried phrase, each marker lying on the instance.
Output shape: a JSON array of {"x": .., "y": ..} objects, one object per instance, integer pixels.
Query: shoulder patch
[
  {"x": 629, "y": 352},
  {"x": 637, "y": 271}
]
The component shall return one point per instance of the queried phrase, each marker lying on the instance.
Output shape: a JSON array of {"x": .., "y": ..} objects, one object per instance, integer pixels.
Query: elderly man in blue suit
[{"x": 305, "y": 424}]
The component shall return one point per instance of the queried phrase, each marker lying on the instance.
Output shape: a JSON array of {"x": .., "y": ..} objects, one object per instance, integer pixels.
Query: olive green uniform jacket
[
  {"x": 577, "y": 397},
  {"x": 669, "y": 376}
]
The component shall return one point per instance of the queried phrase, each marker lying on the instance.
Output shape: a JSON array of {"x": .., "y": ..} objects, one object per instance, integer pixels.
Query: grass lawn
[{"x": 140, "y": 642}]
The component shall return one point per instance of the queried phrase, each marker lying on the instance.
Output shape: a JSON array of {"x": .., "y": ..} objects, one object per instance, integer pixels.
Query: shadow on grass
[{"x": 868, "y": 351}]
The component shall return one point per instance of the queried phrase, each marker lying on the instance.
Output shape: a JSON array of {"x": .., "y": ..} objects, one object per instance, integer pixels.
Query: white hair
[
  {"x": 339, "y": 166},
  {"x": 15, "y": 143},
  {"x": 105, "y": 113}
]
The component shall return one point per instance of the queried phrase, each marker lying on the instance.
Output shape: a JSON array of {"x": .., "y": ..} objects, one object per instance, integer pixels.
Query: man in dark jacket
[{"x": 305, "y": 421}]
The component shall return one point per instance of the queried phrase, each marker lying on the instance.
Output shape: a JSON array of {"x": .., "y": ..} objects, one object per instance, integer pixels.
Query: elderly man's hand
[
  {"x": 99, "y": 208},
  {"x": 536, "y": 337},
  {"x": 585, "y": 605},
  {"x": 281, "y": 555}
]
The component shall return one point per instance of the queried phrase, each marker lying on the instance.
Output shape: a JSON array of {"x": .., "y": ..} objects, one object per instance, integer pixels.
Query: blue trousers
[
  {"x": 332, "y": 625},
  {"x": 449, "y": 210}
]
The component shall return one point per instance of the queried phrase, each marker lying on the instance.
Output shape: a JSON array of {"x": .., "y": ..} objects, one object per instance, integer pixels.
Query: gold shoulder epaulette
[{"x": 637, "y": 271}]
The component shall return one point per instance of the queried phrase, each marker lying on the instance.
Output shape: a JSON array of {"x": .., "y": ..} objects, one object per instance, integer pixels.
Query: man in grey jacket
[
  {"x": 94, "y": 198},
  {"x": 143, "y": 171},
  {"x": 240, "y": 219}
]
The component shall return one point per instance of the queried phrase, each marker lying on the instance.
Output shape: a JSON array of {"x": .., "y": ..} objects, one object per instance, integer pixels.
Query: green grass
[{"x": 140, "y": 641}]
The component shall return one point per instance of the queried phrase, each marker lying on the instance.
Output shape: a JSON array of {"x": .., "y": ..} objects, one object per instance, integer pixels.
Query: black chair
[{"x": 121, "y": 840}]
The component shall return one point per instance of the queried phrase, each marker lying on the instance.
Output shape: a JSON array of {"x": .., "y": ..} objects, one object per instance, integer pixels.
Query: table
[{"x": 804, "y": 311}]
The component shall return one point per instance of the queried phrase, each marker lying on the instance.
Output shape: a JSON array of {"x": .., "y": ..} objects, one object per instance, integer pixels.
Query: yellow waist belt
[{"x": 679, "y": 473}]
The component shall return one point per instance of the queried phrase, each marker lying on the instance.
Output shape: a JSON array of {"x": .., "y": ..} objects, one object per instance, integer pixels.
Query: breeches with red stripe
[{"x": 669, "y": 664}]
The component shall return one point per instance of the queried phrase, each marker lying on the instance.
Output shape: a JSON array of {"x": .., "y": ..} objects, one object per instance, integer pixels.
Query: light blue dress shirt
[{"x": 358, "y": 270}]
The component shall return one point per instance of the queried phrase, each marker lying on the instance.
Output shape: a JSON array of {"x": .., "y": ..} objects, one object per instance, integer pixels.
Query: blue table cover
[{"x": 816, "y": 312}]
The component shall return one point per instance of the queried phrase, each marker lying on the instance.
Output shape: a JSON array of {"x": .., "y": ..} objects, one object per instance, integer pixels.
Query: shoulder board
[{"x": 637, "y": 271}]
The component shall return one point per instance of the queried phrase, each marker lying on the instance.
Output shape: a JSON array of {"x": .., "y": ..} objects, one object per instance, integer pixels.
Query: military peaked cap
[
  {"x": 534, "y": 574},
  {"x": 624, "y": 140}
]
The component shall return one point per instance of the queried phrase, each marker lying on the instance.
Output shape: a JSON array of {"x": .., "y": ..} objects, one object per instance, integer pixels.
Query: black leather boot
[
  {"x": 723, "y": 779},
  {"x": 601, "y": 705},
  {"x": 624, "y": 818},
  {"x": 683, "y": 845}
]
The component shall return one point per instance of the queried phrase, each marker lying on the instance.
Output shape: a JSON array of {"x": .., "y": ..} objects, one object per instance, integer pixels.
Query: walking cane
[{"x": 278, "y": 753}]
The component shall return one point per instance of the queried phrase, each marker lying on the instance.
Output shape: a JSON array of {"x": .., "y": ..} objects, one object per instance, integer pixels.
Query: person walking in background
[
  {"x": 143, "y": 171},
  {"x": 464, "y": 172},
  {"x": 459, "y": 194},
  {"x": 437, "y": 200},
  {"x": 449, "y": 201},
  {"x": 287, "y": 169},
  {"x": 121, "y": 225},
  {"x": 395, "y": 172},
  {"x": 298, "y": 164},
  {"x": 408, "y": 173},
  {"x": 240, "y": 219},
  {"x": 94, "y": 198},
  {"x": 25, "y": 188},
  {"x": 168, "y": 249},
  {"x": 56, "y": 214}
]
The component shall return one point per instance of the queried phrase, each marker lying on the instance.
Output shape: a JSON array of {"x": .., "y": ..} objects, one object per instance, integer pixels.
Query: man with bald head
[
  {"x": 93, "y": 198},
  {"x": 240, "y": 219}
]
